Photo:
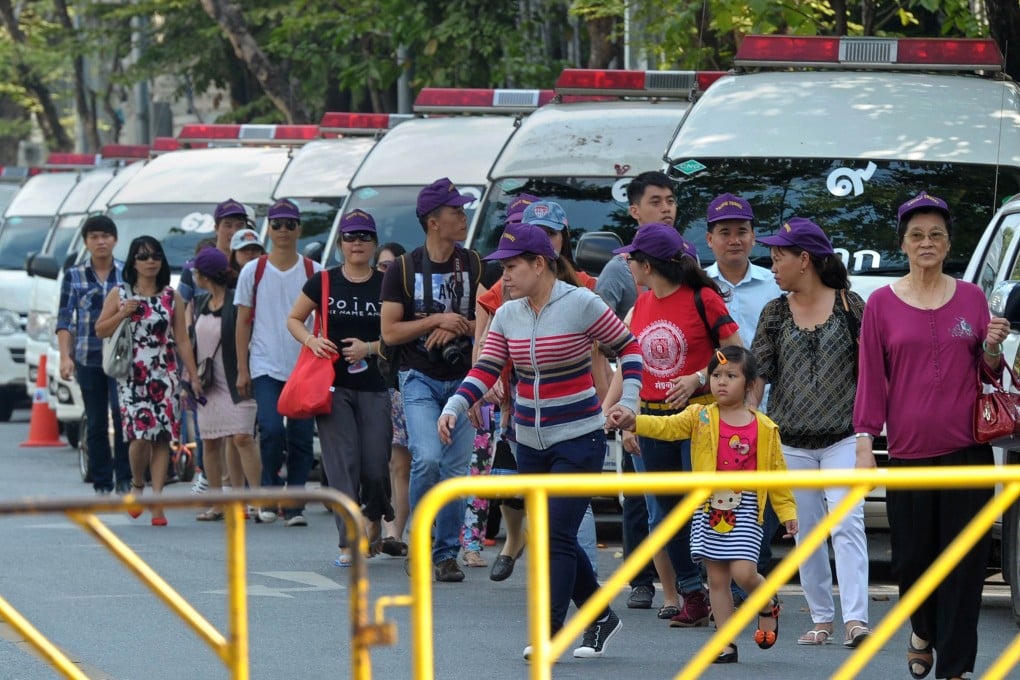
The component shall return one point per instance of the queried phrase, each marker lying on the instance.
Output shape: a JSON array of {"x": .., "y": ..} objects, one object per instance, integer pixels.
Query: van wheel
[
  {"x": 6, "y": 408},
  {"x": 72, "y": 431}
]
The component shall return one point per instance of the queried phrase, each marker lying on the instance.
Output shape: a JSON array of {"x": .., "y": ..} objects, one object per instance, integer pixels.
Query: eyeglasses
[
  {"x": 935, "y": 236},
  {"x": 145, "y": 257},
  {"x": 384, "y": 265},
  {"x": 352, "y": 236},
  {"x": 289, "y": 225}
]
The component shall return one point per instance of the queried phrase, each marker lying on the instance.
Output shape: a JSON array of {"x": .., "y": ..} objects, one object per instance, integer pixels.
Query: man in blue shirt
[{"x": 81, "y": 353}]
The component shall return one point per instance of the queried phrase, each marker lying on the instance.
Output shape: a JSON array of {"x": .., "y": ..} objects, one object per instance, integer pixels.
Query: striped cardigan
[{"x": 551, "y": 353}]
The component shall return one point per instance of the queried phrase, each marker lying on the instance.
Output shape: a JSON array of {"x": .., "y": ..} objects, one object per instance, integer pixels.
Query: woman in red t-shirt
[{"x": 679, "y": 321}]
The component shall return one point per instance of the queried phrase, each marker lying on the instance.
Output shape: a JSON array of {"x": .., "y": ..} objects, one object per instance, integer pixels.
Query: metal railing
[
  {"x": 232, "y": 648},
  {"x": 536, "y": 490}
]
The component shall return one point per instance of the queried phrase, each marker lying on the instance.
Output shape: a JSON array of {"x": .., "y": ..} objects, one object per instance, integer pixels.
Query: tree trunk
[
  {"x": 602, "y": 49},
  {"x": 275, "y": 82},
  {"x": 1004, "y": 27},
  {"x": 10, "y": 110},
  {"x": 50, "y": 118},
  {"x": 839, "y": 13},
  {"x": 86, "y": 114},
  {"x": 868, "y": 17}
]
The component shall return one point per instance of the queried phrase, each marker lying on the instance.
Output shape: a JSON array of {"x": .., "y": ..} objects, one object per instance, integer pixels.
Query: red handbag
[
  {"x": 309, "y": 389},
  {"x": 997, "y": 414}
]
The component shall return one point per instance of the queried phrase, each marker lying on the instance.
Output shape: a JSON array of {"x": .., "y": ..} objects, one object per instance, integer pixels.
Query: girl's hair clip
[{"x": 721, "y": 358}]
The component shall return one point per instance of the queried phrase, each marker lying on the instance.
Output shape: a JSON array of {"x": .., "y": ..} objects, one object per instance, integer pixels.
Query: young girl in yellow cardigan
[{"x": 726, "y": 533}]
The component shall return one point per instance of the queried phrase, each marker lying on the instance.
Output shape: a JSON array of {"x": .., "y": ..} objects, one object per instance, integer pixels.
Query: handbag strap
[
  {"x": 320, "y": 316},
  {"x": 993, "y": 380}
]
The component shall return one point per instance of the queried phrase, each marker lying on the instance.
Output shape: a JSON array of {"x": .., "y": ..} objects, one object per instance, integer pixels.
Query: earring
[{"x": 802, "y": 272}]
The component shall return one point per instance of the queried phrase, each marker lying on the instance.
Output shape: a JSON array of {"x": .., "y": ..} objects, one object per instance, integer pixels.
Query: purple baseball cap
[
  {"x": 284, "y": 209},
  {"x": 922, "y": 200},
  {"x": 357, "y": 220},
  {"x": 729, "y": 207},
  {"x": 661, "y": 241},
  {"x": 229, "y": 208},
  {"x": 802, "y": 233},
  {"x": 515, "y": 209},
  {"x": 209, "y": 262},
  {"x": 518, "y": 239},
  {"x": 439, "y": 193}
]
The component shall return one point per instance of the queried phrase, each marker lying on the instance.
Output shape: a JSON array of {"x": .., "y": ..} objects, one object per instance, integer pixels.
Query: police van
[
  {"x": 420, "y": 150},
  {"x": 582, "y": 150},
  {"x": 843, "y": 130}
]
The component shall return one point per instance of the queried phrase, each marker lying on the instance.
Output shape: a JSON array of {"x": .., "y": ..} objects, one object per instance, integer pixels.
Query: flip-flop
[
  {"x": 668, "y": 611},
  {"x": 815, "y": 637},
  {"x": 343, "y": 560},
  {"x": 855, "y": 635},
  {"x": 923, "y": 657}
]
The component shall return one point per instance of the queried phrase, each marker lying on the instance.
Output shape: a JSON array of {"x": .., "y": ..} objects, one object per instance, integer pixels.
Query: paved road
[{"x": 89, "y": 606}]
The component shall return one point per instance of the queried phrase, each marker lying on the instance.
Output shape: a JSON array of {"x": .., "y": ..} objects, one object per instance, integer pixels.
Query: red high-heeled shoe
[
  {"x": 135, "y": 513},
  {"x": 159, "y": 521}
]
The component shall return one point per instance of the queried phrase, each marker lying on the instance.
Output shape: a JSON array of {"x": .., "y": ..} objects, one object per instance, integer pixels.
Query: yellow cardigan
[{"x": 700, "y": 424}]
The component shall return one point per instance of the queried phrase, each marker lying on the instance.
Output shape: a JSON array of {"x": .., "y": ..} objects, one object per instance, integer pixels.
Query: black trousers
[
  {"x": 922, "y": 523},
  {"x": 635, "y": 528}
]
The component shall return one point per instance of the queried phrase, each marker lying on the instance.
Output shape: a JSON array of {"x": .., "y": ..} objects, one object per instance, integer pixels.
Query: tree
[{"x": 1004, "y": 27}]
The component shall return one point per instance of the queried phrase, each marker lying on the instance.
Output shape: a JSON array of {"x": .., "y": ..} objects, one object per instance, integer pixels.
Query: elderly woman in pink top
[{"x": 923, "y": 339}]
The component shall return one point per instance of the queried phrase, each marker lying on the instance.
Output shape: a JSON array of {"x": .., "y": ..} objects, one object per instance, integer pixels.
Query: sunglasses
[
  {"x": 290, "y": 225},
  {"x": 145, "y": 257},
  {"x": 352, "y": 236}
]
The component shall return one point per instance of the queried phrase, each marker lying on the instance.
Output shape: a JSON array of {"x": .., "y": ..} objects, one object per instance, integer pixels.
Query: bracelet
[
  {"x": 984, "y": 346},
  {"x": 861, "y": 435},
  {"x": 370, "y": 352}
]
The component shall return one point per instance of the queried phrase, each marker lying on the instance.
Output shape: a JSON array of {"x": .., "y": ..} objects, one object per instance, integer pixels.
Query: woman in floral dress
[{"x": 148, "y": 396}]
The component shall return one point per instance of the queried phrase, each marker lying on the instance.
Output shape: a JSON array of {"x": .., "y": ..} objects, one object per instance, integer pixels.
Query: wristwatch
[{"x": 701, "y": 378}]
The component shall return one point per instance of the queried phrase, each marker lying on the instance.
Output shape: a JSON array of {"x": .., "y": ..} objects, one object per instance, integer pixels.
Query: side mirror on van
[
  {"x": 1005, "y": 302},
  {"x": 44, "y": 266},
  {"x": 594, "y": 249},
  {"x": 313, "y": 251}
]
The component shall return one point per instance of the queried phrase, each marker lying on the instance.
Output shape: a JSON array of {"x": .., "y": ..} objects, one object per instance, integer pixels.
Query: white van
[
  {"x": 25, "y": 225},
  {"x": 420, "y": 150},
  {"x": 842, "y": 131},
  {"x": 583, "y": 154}
]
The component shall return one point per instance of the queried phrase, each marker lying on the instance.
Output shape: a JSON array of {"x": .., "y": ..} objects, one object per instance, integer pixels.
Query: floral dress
[{"x": 148, "y": 396}]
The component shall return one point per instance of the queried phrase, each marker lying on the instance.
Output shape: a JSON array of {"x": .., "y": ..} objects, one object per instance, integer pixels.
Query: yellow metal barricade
[
  {"x": 232, "y": 649},
  {"x": 537, "y": 489}
]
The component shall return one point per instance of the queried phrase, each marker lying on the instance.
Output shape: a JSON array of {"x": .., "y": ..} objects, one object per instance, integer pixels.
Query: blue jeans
[
  {"x": 432, "y": 461},
  {"x": 278, "y": 442},
  {"x": 99, "y": 393},
  {"x": 571, "y": 576},
  {"x": 661, "y": 456}
]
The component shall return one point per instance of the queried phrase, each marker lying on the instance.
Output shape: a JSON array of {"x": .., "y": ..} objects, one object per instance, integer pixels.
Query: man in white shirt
[{"x": 266, "y": 352}]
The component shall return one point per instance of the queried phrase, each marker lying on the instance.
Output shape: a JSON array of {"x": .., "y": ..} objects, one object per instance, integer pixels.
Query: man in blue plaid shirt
[{"x": 81, "y": 353}]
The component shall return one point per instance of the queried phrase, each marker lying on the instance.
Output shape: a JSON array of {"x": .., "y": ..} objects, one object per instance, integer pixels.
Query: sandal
[
  {"x": 345, "y": 558},
  {"x": 922, "y": 657},
  {"x": 210, "y": 515},
  {"x": 668, "y": 611},
  {"x": 817, "y": 636},
  {"x": 767, "y": 638},
  {"x": 856, "y": 633},
  {"x": 473, "y": 558},
  {"x": 393, "y": 547},
  {"x": 136, "y": 490}
]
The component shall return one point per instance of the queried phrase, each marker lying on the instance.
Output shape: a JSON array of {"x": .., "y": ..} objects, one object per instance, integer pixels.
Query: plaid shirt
[{"x": 81, "y": 300}]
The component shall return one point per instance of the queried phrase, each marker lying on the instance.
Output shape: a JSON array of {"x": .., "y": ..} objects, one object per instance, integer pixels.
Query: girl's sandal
[
  {"x": 920, "y": 658},
  {"x": 210, "y": 515},
  {"x": 816, "y": 637},
  {"x": 767, "y": 638}
]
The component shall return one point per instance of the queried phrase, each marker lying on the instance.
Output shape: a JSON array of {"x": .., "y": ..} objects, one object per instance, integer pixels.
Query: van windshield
[
  {"x": 854, "y": 201},
  {"x": 21, "y": 236},
  {"x": 179, "y": 227},
  {"x": 591, "y": 204},
  {"x": 317, "y": 216},
  {"x": 392, "y": 208}
]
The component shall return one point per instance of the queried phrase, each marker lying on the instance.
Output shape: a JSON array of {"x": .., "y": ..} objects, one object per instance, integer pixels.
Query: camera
[{"x": 456, "y": 352}]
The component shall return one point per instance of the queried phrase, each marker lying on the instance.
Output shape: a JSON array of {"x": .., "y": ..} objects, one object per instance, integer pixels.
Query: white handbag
[{"x": 117, "y": 349}]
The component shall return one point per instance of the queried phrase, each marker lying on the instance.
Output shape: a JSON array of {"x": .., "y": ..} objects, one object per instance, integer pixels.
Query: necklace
[{"x": 354, "y": 279}]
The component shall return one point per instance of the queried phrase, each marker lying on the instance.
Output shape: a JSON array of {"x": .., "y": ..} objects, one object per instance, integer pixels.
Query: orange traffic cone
[{"x": 42, "y": 430}]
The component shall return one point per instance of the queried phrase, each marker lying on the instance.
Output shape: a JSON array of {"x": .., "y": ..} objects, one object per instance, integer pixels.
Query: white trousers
[{"x": 849, "y": 542}]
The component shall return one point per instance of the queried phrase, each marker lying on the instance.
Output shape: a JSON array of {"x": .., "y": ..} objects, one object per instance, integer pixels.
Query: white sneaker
[
  {"x": 265, "y": 517},
  {"x": 297, "y": 521},
  {"x": 201, "y": 485}
]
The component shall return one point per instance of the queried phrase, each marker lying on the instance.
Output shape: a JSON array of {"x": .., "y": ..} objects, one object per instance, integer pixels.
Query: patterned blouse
[{"x": 812, "y": 372}]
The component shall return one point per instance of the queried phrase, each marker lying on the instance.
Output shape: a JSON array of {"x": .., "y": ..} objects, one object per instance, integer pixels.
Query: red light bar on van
[
  {"x": 472, "y": 100},
  {"x": 124, "y": 152},
  {"x": 922, "y": 54},
  {"x": 164, "y": 144},
  {"x": 673, "y": 84},
  {"x": 70, "y": 161},
  {"x": 269, "y": 135},
  {"x": 337, "y": 122}
]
